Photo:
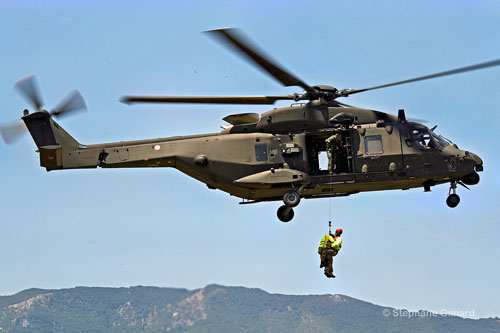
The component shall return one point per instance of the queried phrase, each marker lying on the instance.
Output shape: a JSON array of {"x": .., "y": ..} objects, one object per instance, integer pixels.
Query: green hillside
[{"x": 211, "y": 309}]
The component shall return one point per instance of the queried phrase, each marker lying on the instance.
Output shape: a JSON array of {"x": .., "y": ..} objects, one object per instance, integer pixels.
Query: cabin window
[
  {"x": 373, "y": 145},
  {"x": 261, "y": 153}
]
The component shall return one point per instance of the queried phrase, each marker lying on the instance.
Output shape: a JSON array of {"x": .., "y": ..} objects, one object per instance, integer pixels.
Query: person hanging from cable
[{"x": 329, "y": 247}]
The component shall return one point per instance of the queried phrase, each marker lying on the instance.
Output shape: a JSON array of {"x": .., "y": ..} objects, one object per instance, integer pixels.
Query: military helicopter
[{"x": 276, "y": 155}]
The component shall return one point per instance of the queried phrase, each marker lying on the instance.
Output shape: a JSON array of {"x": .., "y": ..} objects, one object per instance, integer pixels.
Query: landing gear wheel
[
  {"x": 285, "y": 213},
  {"x": 291, "y": 198},
  {"x": 453, "y": 200}
]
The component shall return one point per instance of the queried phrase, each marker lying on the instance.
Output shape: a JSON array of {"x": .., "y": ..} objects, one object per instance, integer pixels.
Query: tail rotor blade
[
  {"x": 29, "y": 88},
  {"x": 73, "y": 102},
  {"x": 12, "y": 133}
]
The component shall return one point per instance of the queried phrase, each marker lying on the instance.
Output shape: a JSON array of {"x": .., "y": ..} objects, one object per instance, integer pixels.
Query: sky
[{"x": 120, "y": 228}]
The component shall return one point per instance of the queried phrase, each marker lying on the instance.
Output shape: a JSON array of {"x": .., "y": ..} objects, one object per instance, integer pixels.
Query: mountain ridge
[{"x": 212, "y": 308}]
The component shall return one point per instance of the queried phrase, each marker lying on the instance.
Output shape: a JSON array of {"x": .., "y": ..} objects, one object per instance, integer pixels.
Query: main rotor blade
[
  {"x": 72, "y": 103},
  {"x": 207, "y": 99},
  {"x": 29, "y": 88},
  {"x": 11, "y": 133},
  {"x": 418, "y": 120},
  {"x": 426, "y": 77},
  {"x": 234, "y": 39}
]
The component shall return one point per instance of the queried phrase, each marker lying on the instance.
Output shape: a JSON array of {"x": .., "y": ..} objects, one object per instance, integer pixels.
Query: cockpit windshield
[
  {"x": 423, "y": 138},
  {"x": 441, "y": 140}
]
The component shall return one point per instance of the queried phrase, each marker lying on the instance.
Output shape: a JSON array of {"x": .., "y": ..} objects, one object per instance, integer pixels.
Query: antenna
[{"x": 329, "y": 227}]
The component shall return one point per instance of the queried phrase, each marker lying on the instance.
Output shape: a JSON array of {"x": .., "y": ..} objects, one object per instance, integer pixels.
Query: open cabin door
[{"x": 318, "y": 152}]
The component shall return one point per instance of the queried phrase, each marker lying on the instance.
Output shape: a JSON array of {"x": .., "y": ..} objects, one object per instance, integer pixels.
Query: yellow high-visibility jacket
[
  {"x": 326, "y": 241},
  {"x": 337, "y": 243}
]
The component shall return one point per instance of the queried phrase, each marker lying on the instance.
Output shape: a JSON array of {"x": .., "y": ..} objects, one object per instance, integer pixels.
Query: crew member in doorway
[
  {"x": 335, "y": 150},
  {"x": 329, "y": 247}
]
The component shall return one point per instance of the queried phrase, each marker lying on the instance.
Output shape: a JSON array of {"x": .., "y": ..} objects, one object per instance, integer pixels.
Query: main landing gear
[
  {"x": 290, "y": 199},
  {"x": 453, "y": 199},
  {"x": 285, "y": 213}
]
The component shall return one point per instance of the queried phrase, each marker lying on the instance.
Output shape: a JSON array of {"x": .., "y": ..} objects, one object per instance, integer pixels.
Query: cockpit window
[
  {"x": 441, "y": 140},
  {"x": 424, "y": 138}
]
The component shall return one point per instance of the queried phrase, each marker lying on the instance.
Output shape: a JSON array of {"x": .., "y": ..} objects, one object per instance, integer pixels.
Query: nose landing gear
[{"x": 453, "y": 199}]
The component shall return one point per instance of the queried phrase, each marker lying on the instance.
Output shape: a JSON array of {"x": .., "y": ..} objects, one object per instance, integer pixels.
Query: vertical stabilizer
[
  {"x": 38, "y": 123},
  {"x": 50, "y": 138}
]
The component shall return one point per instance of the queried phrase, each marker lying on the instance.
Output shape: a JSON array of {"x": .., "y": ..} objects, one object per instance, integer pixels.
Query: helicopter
[{"x": 277, "y": 155}]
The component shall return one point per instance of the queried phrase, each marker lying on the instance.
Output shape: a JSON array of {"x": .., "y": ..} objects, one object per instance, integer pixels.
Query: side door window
[
  {"x": 373, "y": 145},
  {"x": 381, "y": 150}
]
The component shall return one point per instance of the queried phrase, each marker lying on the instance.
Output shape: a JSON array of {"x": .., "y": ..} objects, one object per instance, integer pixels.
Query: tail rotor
[{"x": 28, "y": 87}]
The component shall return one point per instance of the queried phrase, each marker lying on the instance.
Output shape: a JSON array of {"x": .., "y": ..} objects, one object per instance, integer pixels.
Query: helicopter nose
[{"x": 477, "y": 161}]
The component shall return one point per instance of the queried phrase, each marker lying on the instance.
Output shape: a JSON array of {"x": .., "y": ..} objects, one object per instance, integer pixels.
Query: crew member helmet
[{"x": 338, "y": 231}]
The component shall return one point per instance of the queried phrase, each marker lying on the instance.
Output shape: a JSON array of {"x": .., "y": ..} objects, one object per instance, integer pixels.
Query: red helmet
[{"x": 338, "y": 231}]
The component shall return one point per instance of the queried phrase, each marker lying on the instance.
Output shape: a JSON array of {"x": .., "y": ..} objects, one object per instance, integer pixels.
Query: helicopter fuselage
[{"x": 259, "y": 162}]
